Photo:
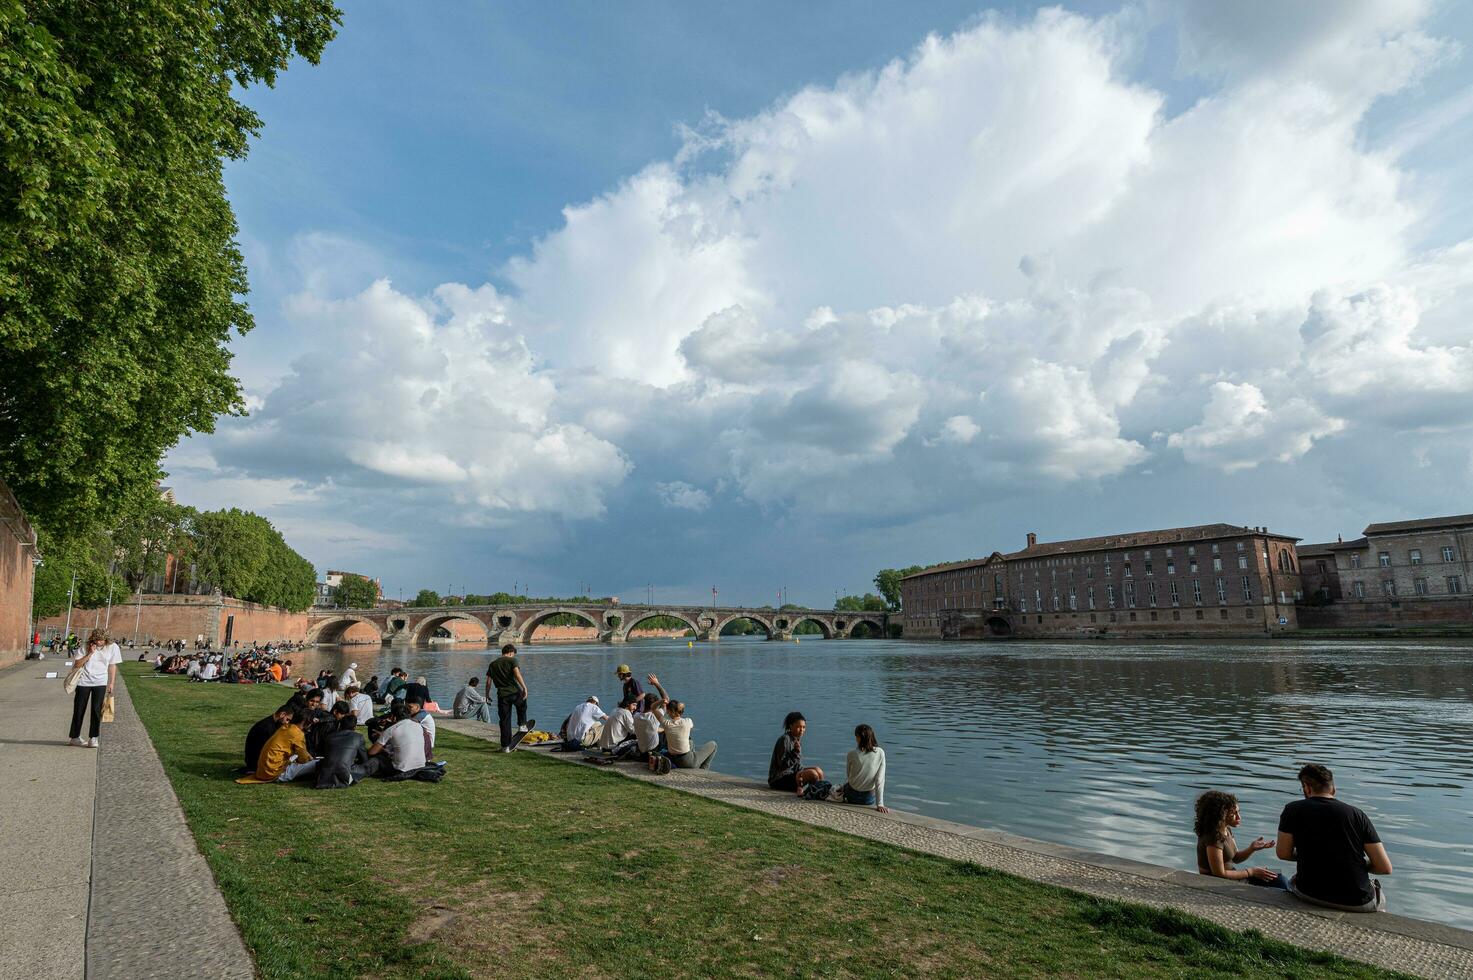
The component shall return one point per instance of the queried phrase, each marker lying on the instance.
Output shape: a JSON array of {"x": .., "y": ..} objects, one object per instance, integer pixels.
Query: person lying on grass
[{"x": 786, "y": 770}]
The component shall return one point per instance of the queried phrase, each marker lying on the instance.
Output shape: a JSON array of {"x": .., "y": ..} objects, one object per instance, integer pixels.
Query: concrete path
[
  {"x": 103, "y": 878},
  {"x": 1391, "y": 941}
]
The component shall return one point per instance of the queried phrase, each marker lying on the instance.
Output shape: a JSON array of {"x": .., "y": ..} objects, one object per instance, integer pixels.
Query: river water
[{"x": 1097, "y": 745}]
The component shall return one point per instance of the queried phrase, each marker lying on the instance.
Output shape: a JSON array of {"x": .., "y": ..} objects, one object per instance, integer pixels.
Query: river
[{"x": 1098, "y": 745}]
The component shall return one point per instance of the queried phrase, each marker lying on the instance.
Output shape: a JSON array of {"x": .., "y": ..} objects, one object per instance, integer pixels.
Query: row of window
[
  {"x": 1414, "y": 557},
  {"x": 1453, "y": 583}
]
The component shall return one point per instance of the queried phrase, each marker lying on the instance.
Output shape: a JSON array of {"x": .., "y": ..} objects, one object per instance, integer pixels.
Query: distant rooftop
[{"x": 1421, "y": 524}]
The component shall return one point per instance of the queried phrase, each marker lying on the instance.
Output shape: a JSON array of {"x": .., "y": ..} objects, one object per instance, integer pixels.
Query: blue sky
[{"x": 770, "y": 294}]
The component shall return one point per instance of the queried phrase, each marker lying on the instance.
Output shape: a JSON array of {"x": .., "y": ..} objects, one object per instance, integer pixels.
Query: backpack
[{"x": 819, "y": 789}]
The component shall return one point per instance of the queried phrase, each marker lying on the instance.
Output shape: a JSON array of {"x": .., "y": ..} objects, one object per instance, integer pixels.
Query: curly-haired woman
[{"x": 1217, "y": 850}]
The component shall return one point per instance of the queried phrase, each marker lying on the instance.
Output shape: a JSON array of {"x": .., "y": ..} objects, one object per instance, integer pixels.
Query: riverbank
[{"x": 563, "y": 870}]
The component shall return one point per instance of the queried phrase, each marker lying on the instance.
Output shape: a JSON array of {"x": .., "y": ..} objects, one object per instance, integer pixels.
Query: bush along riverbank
[{"x": 523, "y": 866}]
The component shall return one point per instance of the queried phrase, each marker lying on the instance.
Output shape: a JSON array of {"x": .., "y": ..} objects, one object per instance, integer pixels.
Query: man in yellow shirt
[{"x": 284, "y": 757}]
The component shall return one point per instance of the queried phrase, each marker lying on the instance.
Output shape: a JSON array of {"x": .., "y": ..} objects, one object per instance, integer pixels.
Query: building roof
[
  {"x": 1133, "y": 539},
  {"x": 1421, "y": 524},
  {"x": 1357, "y": 545},
  {"x": 1141, "y": 539},
  {"x": 1323, "y": 548}
]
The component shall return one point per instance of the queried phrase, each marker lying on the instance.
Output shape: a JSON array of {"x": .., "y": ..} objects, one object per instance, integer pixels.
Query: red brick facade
[
  {"x": 187, "y": 618},
  {"x": 17, "y": 577},
  {"x": 1214, "y": 578}
]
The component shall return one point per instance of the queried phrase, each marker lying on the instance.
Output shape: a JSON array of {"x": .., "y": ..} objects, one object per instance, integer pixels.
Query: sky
[{"x": 766, "y": 297}]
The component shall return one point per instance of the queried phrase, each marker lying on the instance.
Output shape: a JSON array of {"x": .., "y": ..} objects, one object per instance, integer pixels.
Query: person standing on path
[
  {"x": 99, "y": 663},
  {"x": 505, "y": 675}
]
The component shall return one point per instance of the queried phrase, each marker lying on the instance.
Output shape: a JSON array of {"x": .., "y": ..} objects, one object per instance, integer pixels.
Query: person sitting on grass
[
  {"x": 471, "y": 703},
  {"x": 402, "y": 743},
  {"x": 1217, "y": 850},
  {"x": 864, "y": 771},
  {"x": 345, "y": 760},
  {"x": 619, "y": 728},
  {"x": 372, "y": 689},
  {"x": 1336, "y": 846},
  {"x": 580, "y": 723},
  {"x": 786, "y": 771},
  {"x": 417, "y": 690},
  {"x": 284, "y": 757},
  {"x": 394, "y": 689},
  {"x": 425, "y": 720},
  {"x": 260, "y": 732},
  {"x": 360, "y": 703},
  {"x": 677, "y": 739}
]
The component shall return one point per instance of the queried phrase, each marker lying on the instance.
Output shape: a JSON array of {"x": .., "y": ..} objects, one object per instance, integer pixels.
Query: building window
[
  {"x": 1148, "y": 568},
  {"x": 1191, "y": 549},
  {"x": 1214, "y": 549},
  {"x": 1170, "y": 567},
  {"x": 1073, "y": 599},
  {"x": 1130, "y": 595},
  {"x": 1222, "y": 613},
  {"x": 1242, "y": 563},
  {"x": 1199, "y": 614},
  {"x": 1055, "y": 600},
  {"x": 1247, "y": 589},
  {"x": 1107, "y": 566},
  {"x": 1089, "y": 570},
  {"x": 1089, "y": 596},
  {"x": 1355, "y": 561},
  {"x": 1110, "y": 596},
  {"x": 1132, "y": 617},
  {"x": 1388, "y": 587},
  {"x": 1197, "y": 591},
  {"x": 1175, "y": 596},
  {"x": 1217, "y": 564},
  {"x": 1192, "y": 566},
  {"x": 1037, "y": 602},
  {"x": 1454, "y": 585},
  {"x": 1176, "y": 614},
  {"x": 1416, "y": 556},
  {"x": 1385, "y": 559},
  {"x": 1359, "y": 588},
  {"x": 1447, "y": 554},
  {"x": 1419, "y": 586},
  {"x": 1247, "y": 614},
  {"x": 1151, "y": 594},
  {"x": 1221, "y": 591},
  {"x": 1127, "y": 568}
]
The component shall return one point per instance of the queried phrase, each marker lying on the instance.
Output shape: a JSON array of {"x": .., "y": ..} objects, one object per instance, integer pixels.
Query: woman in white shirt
[
  {"x": 677, "y": 740},
  {"x": 864, "y": 772},
  {"x": 99, "y": 661}
]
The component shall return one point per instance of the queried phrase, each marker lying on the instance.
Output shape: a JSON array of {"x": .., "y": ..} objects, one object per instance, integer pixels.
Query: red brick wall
[
  {"x": 17, "y": 545},
  {"x": 1406, "y": 612},
  {"x": 180, "y": 617}
]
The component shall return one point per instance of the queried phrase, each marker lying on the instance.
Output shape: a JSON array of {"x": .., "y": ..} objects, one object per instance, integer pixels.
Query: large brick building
[
  {"x": 18, "y": 558},
  {"x": 1401, "y": 573},
  {"x": 1212, "y": 578}
]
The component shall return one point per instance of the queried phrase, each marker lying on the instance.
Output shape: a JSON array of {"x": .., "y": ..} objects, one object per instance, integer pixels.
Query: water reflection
[{"x": 1099, "y": 746}]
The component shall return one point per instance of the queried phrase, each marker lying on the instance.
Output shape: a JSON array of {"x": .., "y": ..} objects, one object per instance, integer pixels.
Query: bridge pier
[
  {"x": 612, "y": 636},
  {"x": 780, "y": 635}
]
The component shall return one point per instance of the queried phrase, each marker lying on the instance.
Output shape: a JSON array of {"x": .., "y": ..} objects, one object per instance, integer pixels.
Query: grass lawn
[{"x": 515, "y": 866}]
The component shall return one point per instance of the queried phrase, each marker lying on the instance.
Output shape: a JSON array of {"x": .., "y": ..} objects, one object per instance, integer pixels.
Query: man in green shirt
[{"x": 505, "y": 675}]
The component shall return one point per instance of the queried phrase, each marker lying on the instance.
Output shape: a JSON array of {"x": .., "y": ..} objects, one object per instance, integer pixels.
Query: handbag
[
  {"x": 107, "y": 708},
  {"x": 70, "y": 684}
]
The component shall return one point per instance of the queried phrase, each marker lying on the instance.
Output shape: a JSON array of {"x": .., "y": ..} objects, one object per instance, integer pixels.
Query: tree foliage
[
  {"x": 427, "y": 598},
  {"x": 887, "y": 580},
  {"x": 120, "y": 278},
  {"x": 355, "y": 592},
  {"x": 869, "y": 602}
]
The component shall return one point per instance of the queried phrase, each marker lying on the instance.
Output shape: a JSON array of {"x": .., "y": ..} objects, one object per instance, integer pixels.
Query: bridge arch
[
  {"x": 826, "y": 628},
  {"x": 543, "y": 615},
  {"x": 331, "y": 630},
  {"x": 633, "y": 620},
  {"x": 766, "y": 622},
  {"x": 425, "y": 629},
  {"x": 845, "y": 626}
]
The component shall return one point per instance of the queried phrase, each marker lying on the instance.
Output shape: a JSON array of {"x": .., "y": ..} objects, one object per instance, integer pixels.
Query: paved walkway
[
  {"x": 103, "y": 877},
  {"x": 1391, "y": 941}
]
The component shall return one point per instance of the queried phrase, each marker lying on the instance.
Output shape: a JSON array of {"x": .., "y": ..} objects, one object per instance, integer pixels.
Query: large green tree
[
  {"x": 887, "y": 580},
  {"x": 120, "y": 280},
  {"x": 355, "y": 592}
]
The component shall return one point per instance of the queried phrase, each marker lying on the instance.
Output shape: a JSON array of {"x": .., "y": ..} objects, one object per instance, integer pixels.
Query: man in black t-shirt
[{"x": 1335, "y": 846}]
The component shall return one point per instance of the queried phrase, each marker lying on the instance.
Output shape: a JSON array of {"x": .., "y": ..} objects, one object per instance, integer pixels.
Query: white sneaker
[
  {"x": 92, "y": 743},
  {"x": 78, "y": 741}
]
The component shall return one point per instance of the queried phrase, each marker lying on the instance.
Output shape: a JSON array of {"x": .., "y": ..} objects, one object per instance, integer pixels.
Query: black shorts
[{"x": 787, "y": 783}]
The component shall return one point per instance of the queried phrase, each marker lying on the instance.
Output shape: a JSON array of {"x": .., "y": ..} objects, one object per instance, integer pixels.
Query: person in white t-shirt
[
  {"x": 579, "y": 722},
  {"x": 99, "y": 662},
  {"x": 620, "y": 726},
  {"x": 404, "y": 743},
  {"x": 361, "y": 704},
  {"x": 209, "y": 671},
  {"x": 426, "y": 721}
]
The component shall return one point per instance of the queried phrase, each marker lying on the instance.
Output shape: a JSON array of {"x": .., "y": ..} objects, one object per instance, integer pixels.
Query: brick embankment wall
[
  {"x": 17, "y": 546},
  {"x": 1406, "y": 612},
  {"x": 187, "y": 618}
]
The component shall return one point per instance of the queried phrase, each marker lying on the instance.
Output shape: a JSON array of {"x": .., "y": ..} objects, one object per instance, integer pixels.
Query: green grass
[{"x": 528, "y": 867}]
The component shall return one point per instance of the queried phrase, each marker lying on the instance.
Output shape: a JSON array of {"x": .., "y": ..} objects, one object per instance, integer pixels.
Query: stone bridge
[{"x": 614, "y": 622}]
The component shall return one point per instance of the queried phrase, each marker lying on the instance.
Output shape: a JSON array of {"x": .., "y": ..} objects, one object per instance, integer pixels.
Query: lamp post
[{"x": 67, "y": 630}]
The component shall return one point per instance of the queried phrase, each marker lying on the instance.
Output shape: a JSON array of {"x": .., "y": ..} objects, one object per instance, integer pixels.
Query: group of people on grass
[
  {"x": 335, "y": 735},
  {"x": 1334, "y": 846}
]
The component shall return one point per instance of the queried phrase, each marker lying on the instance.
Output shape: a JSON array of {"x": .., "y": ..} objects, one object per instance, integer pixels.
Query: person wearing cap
[
  {"x": 579, "y": 722},
  {"x": 349, "y": 678},
  {"x": 631, "y": 686}
]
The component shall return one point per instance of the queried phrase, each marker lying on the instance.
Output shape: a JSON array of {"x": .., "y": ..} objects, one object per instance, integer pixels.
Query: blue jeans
[
  {"x": 1282, "y": 881},
  {"x": 857, "y": 798}
]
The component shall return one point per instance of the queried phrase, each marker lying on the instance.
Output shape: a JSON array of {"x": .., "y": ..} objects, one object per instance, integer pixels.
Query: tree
[
  {"x": 121, "y": 283},
  {"x": 887, "y": 580},
  {"x": 869, "y": 602},
  {"x": 149, "y": 532},
  {"x": 90, "y": 558},
  {"x": 355, "y": 592},
  {"x": 426, "y": 599}
]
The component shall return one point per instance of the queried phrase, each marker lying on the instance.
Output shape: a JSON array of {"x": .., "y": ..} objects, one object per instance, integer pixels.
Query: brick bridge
[{"x": 614, "y": 623}]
